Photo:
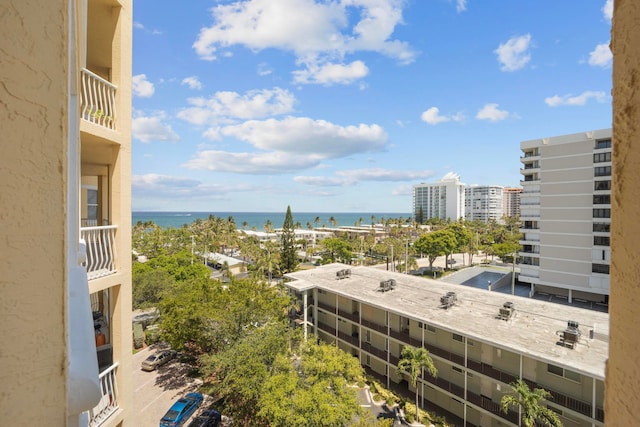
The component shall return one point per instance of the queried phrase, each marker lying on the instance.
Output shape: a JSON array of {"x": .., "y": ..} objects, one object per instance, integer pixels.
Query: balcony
[
  {"x": 326, "y": 307},
  {"x": 354, "y": 317},
  {"x": 109, "y": 401},
  {"x": 101, "y": 250},
  {"x": 372, "y": 325},
  {"x": 97, "y": 100}
]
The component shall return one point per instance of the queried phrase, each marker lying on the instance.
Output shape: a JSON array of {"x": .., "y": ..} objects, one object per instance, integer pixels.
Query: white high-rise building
[
  {"x": 442, "y": 199},
  {"x": 566, "y": 214},
  {"x": 483, "y": 203}
]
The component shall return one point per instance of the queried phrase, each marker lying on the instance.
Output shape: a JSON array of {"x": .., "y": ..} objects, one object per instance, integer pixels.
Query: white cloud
[
  {"x": 138, "y": 25},
  {"x": 328, "y": 74},
  {"x": 181, "y": 188},
  {"x": 305, "y": 136},
  {"x": 402, "y": 190},
  {"x": 150, "y": 129},
  {"x": 607, "y": 10},
  {"x": 251, "y": 163},
  {"x": 288, "y": 145},
  {"x": 492, "y": 113},
  {"x": 264, "y": 69},
  {"x": 193, "y": 82},
  {"x": 578, "y": 100},
  {"x": 142, "y": 87},
  {"x": 353, "y": 176},
  {"x": 224, "y": 107},
  {"x": 319, "y": 34},
  {"x": 433, "y": 116},
  {"x": 601, "y": 56},
  {"x": 461, "y": 5},
  {"x": 514, "y": 54}
]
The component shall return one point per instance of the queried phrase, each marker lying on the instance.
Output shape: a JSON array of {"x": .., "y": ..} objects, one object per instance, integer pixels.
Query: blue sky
[{"x": 343, "y": 105}]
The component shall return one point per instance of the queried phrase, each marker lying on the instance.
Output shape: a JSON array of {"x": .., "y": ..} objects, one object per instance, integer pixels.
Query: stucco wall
[
  {"x": 622, "y": 405},
  {"x": 32, "y": 172}
]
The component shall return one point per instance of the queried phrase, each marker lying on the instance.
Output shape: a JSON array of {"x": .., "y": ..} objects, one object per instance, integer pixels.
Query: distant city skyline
[{"x": 255, "y": 105}]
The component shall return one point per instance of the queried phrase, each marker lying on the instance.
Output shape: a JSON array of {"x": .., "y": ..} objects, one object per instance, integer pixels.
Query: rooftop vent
[
  {"x": 343, "y": 274},
  {"x": 570, "y": 336},
  {"x": 387, "y": 285},
  {"x": 507, "y": 311},
  {"x": 448, "y": 300}
]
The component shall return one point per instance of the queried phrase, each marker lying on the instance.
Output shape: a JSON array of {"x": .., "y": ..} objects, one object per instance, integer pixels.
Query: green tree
[
  {"x": 528, "y": 402},
  {"x": 268, "y": 226},
  {"x": 237, "y": 373},
  {"x": 336, "y": 250},
  {"x": 148, "y": 286},
  {"x": 333, "y": 221},
  {"x": 435, "y": 244},
  {"x": 413, "y": 361},
  {"x": 288, "y": 255},
  {"x": 420, "y": 215},
  {"x": 312, "y": 388}
]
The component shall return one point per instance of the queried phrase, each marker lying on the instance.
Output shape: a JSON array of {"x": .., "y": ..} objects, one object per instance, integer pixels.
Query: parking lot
[{"x": 154, "y": 392}]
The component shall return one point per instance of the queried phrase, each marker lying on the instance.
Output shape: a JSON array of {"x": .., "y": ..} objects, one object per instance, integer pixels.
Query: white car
[{"x": 155, "y": 360}]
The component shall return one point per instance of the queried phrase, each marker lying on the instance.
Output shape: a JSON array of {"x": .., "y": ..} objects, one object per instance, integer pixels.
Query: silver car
[{"x": 155, "y": 360}]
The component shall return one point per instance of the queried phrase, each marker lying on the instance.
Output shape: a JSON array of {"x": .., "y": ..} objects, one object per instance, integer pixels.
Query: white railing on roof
[
  {"x": 97, "y": 100},
  {"x": 109, "y": 402},
  {"x": 101, "y": 250}
]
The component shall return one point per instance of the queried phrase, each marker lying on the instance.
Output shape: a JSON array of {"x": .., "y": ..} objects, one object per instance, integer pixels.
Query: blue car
[{"x": 181, "y": 410}]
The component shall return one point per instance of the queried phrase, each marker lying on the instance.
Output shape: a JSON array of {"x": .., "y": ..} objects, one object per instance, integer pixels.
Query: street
[{"x": 154, "y": 392}]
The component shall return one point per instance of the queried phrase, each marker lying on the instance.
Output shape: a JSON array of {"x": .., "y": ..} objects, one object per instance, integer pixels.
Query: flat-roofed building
[
  {"x": 566, "y": 215},
  {"x": 479, "y": 343},
  {"x": 511, "y": 202},
  {"x": 442, "y": 199},
  {"x": 483, "y": 203}
]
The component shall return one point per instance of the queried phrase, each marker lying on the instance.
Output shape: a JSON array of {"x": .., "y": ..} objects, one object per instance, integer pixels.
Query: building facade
[
  {"x": 483, "y": 203},
  {"x": 480, "y": 343},
  {"x": 566, "y": 215},
  {"x": 442, "y": 199},
  {"x": 66, "y": 173},
  {"x": 511, "y": 202}
]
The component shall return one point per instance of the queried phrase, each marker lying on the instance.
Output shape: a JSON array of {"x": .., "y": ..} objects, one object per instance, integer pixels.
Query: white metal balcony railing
[
  {"x": 109, "y": 402},
  {"x": 101, "y": 250},
  {"x": 97, "y": 100}
]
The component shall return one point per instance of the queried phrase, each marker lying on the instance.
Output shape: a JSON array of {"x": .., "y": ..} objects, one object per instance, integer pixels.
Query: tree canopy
[{"x": 528, "y": 401}]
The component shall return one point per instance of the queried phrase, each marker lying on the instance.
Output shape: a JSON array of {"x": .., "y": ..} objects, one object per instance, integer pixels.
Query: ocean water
[{"x": 257, "y": 220}]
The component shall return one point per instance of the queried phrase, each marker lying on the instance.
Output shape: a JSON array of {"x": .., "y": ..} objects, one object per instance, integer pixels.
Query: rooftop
[{"x": 531, "y": 332}]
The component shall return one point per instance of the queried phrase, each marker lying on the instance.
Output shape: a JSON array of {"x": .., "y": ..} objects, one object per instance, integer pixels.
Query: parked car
[
  {"x": 181, "y": 410},
  {"x": 208, "y": 418},
  {"x": 155, "y": 360}
]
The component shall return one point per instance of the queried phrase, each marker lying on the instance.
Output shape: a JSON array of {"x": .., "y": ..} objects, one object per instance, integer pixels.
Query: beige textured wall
[
  {"x": 622, "y": 404},
  {"x": 32, "y": 175}
]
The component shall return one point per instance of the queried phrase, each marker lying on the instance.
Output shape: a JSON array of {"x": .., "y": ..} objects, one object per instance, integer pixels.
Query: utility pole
[
  {"x": 406, "y": 255},
  {"x": 192, "y": 243},
  {"x": 513, "y": 274}
]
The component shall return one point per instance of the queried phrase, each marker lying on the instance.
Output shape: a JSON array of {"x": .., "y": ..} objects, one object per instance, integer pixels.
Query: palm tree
[
  {"x": 413, "y": 361},
  {"x": 317, "y": 221},
  {"x": 245, "y": 224},
  {"x": 333, "y": 221},
  {"x": 529, "y": 404}
]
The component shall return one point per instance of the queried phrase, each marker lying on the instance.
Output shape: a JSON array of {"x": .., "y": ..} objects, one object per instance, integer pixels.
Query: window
[
  {"x": 600, "y": 268},
  {"x": 602, "y": 171},
  {"x": 602, "y": 185},
  {"x": 92, "y": 204},
  {"x": 602, "y": 199},
  {"x": 561, "y": 372},
  {"x": 431, "y": 328},
  {"x": 456, "y": 369},
  {"x": 556, "y": 370},
  {"x": 601, "y": 213},
  {"x": 603, "y": 143},
  {"x": 601, "y": 240},
  {"x": 458, "y": 337},
  {"x": 602, "y": 157},
  {"x": 601, "y": 227}
]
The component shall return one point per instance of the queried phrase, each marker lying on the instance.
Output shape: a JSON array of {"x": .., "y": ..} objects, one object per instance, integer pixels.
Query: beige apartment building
[
  {"x": 483, "y": 203},
  {"x": 66, "y": 212},
  {"x": 511, "y": 202},
  {"x": 480, "y": 341},
  {"x": 566, "y": 215}
]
